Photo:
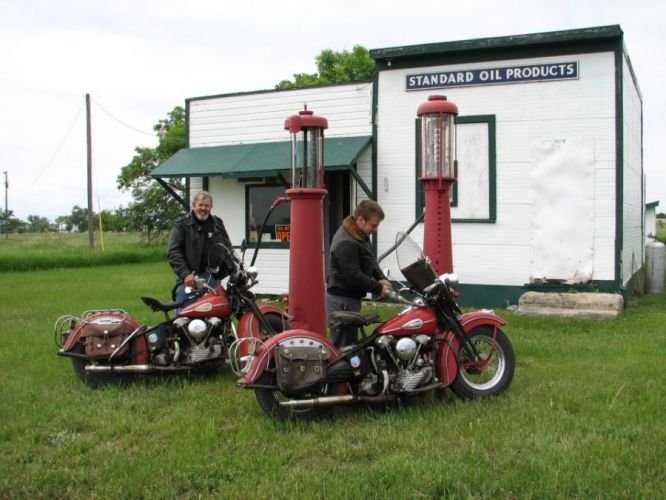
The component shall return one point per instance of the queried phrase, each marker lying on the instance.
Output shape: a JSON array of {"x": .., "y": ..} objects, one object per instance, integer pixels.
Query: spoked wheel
[
  {"x": 95, "y": 380},
  {"x": 494, "y": 373},
  {"x": 269, "y": 400}
]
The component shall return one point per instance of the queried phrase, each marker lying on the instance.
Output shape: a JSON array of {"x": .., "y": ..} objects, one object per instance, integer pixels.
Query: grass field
[
  {"x": 582, "y": 419},
  {"x": 25, "y": 252}
]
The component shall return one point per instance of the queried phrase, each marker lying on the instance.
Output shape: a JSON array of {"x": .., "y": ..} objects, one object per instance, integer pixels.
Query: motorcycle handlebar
[{"x": 396, "y": 296}]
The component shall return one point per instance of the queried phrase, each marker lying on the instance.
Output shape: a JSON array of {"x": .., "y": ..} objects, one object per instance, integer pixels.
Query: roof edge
[{"x": 611, "y": 32}]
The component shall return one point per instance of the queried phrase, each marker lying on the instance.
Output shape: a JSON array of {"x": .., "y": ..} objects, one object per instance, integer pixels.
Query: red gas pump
[
  {"x": 438, "y": 172},
  {"x": 306, "y": 247}
]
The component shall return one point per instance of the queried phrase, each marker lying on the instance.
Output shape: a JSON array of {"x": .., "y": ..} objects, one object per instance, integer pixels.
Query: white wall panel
[{"x": 526, "y": 114}]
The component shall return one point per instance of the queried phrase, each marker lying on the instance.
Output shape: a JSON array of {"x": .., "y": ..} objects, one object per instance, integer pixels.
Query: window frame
[{"x": 419, "y": 198}]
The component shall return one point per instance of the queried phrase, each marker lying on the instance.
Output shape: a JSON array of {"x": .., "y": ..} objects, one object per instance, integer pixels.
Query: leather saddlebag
[
  {"x": 300, "y": 368},
  {"x": 104, "y": 333}
]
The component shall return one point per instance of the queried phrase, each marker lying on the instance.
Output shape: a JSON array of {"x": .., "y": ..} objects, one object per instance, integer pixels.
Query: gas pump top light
[
  {"x": 438, "y": 138},
  {"x": 307, "y": 149}
]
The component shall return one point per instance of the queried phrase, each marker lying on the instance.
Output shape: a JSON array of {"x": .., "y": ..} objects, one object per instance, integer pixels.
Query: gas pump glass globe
[
  {"x": 437, "y": 145},
  {"x": 309, "y": 153}
]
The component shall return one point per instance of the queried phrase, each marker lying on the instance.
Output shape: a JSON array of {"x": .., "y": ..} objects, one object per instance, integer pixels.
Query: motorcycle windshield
[
  {"x": 220, "y": 260},
  {"x": 413, "y": 264}
]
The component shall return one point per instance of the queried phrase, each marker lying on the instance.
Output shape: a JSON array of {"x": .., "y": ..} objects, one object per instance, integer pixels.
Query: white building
[{"x": 550, "y": 183}]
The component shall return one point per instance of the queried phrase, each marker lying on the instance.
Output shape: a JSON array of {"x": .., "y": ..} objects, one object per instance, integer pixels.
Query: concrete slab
[{"x": 571, "y": 305}]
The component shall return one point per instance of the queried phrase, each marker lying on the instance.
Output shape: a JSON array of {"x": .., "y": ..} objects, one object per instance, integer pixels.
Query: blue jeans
[{"x": 179, "y": 292}]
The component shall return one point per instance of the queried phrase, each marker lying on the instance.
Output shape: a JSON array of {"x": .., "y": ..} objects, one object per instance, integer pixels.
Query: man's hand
[
  {"x": 387, "y": 288},
  {"x": 386, "y": 284},
  {"x": 190, "y": 280}
]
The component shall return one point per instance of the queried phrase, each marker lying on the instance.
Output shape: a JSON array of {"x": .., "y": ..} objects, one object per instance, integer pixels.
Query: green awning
[{"x": 257, "y": 159}]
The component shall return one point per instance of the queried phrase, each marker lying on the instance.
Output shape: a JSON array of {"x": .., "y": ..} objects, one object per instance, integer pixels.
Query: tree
[
  {"x": 154, "y": 209},
  {"x": 335, "y": 67},
  {"x": 36, "y": 223},
  {"x": 9, "y": 223}
]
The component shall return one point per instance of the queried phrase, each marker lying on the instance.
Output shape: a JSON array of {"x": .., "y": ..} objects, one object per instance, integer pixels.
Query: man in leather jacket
[
  {"x": 353, "y": 268},
  {"x": 189, "y": 242}
]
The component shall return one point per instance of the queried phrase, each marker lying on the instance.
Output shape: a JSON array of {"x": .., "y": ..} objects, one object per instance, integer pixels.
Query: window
[
  {"x": 259, "y": 198},
  {"x": 473, "y": 195}
]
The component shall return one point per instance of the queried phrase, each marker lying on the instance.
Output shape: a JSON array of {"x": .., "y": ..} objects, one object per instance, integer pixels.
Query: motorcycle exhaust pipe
[
  {"x": 332, "y": 401},
  {"x": 136, "y": 369}
]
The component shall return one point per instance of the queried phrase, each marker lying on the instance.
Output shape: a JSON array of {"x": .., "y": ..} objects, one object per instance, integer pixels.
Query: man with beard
[{"x": 189, "y": 242}]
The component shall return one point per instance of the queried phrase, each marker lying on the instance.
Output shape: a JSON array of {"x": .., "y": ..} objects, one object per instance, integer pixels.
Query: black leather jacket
[
  {"x": 187, "y": 242},
  {"x": 353, "y": 268}
]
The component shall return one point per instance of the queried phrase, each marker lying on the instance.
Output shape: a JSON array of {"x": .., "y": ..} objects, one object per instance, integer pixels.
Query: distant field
[{"x": 32, "y": 251}]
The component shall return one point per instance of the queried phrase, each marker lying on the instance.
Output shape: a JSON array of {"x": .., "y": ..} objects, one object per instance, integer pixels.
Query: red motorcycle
[
  {"x": 429, "y": 346},
  {"x": 109, "y": 346}
]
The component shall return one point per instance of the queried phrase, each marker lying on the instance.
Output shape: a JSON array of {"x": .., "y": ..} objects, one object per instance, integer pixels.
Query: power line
[
  {"x": 152, "y": 134},
  {"x": 53, "y": 157}
]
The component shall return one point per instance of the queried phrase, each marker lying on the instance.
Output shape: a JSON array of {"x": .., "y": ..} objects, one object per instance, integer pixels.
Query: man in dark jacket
[
  {"x": 189, "y": 242},
  {"x": 353, "y": 268}
]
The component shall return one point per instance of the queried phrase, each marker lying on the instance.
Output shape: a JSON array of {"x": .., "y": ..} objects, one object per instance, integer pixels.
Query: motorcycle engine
[
  {"x": 187, "y": 341},
  {"x": 407, "y": 360}
]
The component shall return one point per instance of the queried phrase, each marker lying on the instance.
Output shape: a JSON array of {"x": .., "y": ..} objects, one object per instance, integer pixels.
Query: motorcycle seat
[
  {"x": 349, "y": 319},
  {"x": 156, "y": 305}
]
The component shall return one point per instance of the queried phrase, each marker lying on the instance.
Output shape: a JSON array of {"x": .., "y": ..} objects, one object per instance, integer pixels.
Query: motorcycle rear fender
[
  {"x": 265, "y": 352},
  {"x": 447, "y": 353},
  {"x": 140, "y": 344}
]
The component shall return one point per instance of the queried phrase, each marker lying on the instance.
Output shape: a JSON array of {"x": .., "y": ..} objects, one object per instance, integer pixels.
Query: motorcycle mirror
[{"x": 243, "y": 247}]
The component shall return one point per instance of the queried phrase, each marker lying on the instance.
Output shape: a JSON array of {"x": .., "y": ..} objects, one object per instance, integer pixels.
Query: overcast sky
[{"x": 140, "y": 58}]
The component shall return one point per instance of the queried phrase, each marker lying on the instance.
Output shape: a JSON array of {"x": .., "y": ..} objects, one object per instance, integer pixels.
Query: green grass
[
  {"x": 661, "y": 230},
  {"x": 582, "y": 419},
  {"x": 27, "y": 252}
]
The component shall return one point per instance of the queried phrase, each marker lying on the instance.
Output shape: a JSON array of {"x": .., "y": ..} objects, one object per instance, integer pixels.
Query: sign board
[
  {"x": 282, "y": 232},
  {"x": 493, "y": 76}
]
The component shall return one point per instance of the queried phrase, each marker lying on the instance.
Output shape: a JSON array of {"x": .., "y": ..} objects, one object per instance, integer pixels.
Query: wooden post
[{"x": 91, "y": 236}]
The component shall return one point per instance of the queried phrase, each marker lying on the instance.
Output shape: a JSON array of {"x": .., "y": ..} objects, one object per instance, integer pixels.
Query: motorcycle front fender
[
  {"x": 249, "y": 324},
  {"x": 264, "y": 353},
  {"x": 475, "y": 319},
  {"x": 447, "y": 354}
]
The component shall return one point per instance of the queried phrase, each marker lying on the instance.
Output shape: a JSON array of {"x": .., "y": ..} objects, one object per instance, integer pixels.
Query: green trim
[
  {"x": 500, "y": 296},
  {"x": 263, "y": 159},
  {"x": 492, "y": 170},
  {"x": 652, "y": 204},
  {"x": 492, "y": 296},
  {"x": 619, "y": 166},
  {"x": 361, "y": 182},
  {"x": 187, "y": 124},
  {"x": 558, "y": 286},
  {"x": 587, "y": 40},
  {"x": 375, "y": 104}
]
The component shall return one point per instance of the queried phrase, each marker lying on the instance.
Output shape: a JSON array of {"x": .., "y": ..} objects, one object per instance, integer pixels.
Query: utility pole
[
  {"x": 91, "y": 237},
  {"x": 6, "y": 207}
]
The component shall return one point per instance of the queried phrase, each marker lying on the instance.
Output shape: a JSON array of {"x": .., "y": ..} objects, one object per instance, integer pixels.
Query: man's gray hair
[{"x": 202, "y": 195}]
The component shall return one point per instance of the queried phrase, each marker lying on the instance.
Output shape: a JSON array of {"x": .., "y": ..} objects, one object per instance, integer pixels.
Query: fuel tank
[
  {"x": 212, "y": 304},
  {"x": 409, "y": 322}
]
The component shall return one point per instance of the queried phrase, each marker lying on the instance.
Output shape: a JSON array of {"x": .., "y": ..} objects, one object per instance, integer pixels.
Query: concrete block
[{"x": 571, "y": 305}]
